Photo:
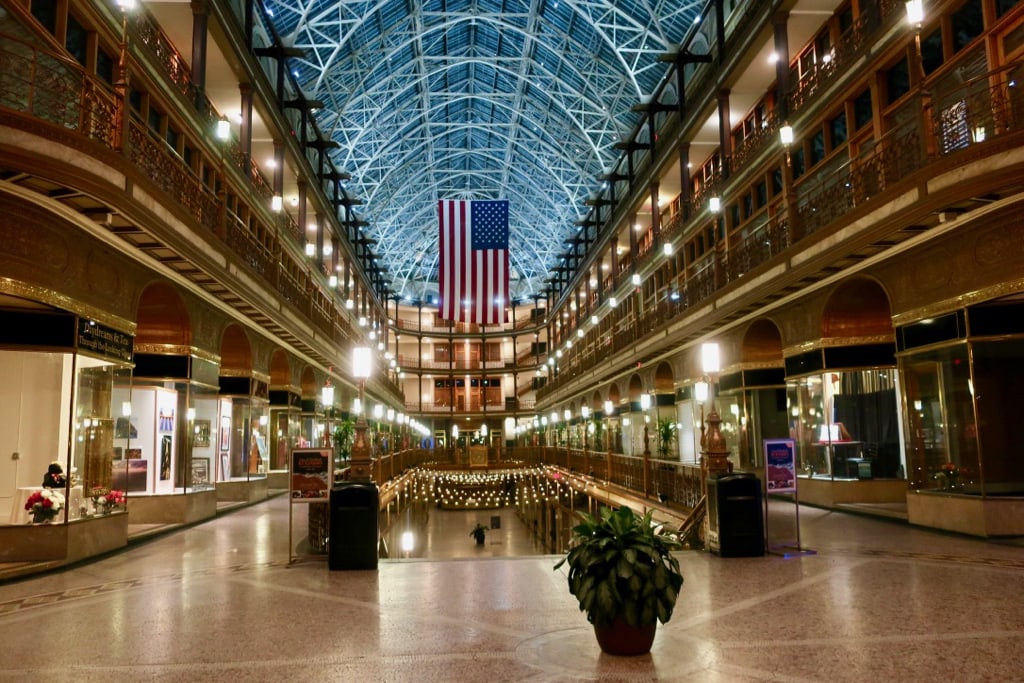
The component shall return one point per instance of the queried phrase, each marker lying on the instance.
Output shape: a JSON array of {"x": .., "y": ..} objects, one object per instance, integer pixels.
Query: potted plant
[
  {"x": 479, "y": 532},
  {"x": 622, "y": 572},
  {"x": 666, "y": 435}
]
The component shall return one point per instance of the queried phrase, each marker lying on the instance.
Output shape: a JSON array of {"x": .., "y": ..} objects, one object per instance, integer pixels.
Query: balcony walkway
[{"x": 879, "y": 600}]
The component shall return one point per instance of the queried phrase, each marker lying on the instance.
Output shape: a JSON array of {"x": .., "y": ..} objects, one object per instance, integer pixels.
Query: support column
[
  {"x": 245, "y": 129},
  {"x": 780, "y": 34},
  {"x": 200, "y": 23}
]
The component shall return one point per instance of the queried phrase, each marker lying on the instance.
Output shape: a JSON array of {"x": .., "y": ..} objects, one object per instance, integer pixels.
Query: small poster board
[
  {"x": 311, "y": 475},
  {"x": 780, "y": 465}
]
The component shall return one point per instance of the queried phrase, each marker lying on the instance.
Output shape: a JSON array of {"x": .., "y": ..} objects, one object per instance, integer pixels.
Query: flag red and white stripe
[{"x": 473, "y": 261}]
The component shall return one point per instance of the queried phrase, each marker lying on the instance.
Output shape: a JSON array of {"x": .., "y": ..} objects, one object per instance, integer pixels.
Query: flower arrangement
[
  {"x": 104, "y": 499},
  {"x": 115, "y": 498},
  {"x": 44, "y": 505}
]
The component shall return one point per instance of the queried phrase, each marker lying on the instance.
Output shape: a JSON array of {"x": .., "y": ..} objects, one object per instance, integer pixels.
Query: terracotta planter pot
[{"x": 621, "y": 639}]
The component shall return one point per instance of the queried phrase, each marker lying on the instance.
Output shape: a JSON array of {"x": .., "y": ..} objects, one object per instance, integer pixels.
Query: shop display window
[
  {"x": 941, "y": 432},
  {"x": 50, "y": 400},
  {"x": 245, "y": 438},
  {"x": 287, "y": 432},
  {"x": 164, "y": 439},
  {"x": 846, "y": 424}
]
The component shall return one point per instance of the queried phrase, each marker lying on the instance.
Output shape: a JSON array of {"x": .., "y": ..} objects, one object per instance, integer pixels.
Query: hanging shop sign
[{"x": 105, "y": 342}]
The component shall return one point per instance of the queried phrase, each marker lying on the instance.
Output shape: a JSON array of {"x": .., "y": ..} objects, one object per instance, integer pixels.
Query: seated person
[{"x": 54, "y": 477}]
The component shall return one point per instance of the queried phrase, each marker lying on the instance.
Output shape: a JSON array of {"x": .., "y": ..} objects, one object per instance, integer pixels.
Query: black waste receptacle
[
  {"x": 353, "y": 534},
  {"x": 735, "y": 515}
]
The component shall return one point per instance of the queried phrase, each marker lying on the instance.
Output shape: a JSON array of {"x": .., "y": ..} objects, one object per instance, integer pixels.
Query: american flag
[{"x": 473, "y": 271}]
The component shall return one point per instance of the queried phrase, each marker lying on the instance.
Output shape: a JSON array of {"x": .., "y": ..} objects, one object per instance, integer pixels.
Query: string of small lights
[{"x": 491, "y": 489}]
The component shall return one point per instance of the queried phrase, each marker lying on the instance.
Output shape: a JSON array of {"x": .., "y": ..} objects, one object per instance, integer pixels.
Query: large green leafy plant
[{"x": 620, "y": 565}]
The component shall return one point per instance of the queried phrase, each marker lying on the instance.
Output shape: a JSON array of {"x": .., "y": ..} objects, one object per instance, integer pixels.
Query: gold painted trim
[
  {"x": 835, "y": 342},
  {"x": 64, "y": 302},
  {"x": 958, "y": 302},
  {"x": 177, "y": 350},
  {"x": 249, "y": 374}
]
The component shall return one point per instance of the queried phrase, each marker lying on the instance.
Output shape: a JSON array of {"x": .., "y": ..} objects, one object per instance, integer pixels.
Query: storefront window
[
  {"x": 941, "y": 433},
  {"x": 846, "y": 424},
  {"x": 97, "y": 409}
]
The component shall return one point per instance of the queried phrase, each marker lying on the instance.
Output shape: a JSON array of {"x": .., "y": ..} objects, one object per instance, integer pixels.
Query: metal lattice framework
[{"x": 477, "y": 99}]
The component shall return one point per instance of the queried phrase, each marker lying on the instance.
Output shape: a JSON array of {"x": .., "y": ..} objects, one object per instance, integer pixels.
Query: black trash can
[
  {"x": 353, "y": 534},
  {"x": 735, "y": 515}
]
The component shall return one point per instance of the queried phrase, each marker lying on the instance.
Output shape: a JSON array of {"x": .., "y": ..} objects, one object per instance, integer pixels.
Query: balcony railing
[
  {"x": 52, "y": 96},
  {"x": 935, "y": 125}
]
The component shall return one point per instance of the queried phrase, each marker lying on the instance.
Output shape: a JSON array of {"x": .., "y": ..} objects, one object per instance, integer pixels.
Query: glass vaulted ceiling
[{"x": 477, "y": 99}]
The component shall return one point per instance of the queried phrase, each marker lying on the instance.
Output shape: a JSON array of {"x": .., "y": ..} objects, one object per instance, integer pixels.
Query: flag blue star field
[{"x": 473, "y": 272}]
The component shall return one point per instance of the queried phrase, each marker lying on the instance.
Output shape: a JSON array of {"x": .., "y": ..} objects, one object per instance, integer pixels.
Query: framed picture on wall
[
  {"x": 225, "y": 433},
  {"x": 165, "y": 457},
  {"x": 225, "y": 466},
  {"x": 202, "y": 429},
  {"x": 200, "y": 471}
]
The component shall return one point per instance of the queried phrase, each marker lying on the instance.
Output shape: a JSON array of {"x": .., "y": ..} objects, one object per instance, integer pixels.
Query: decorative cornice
[
  {"x": 177, "y": 350},
  {"x": 56, "y": 299},
  {"x": 956, "y": 303},
  {"x": 835, "y": 342}
]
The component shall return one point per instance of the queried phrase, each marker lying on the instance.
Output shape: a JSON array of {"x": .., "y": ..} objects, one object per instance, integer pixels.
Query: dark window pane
[
  {"x": 837, "y": 127},
  {"x": 76, "y": 41},
  {"x": 862, "y": 110},
  {"x": 1002, "y": 6},
  {"x": 897, "y": 81},
  {"x": 105, "y": 66},
  {"x": 761, "y": 190},
  {"x": 845, "y": 19},
  {"x": 172, "y": 138},
  {"x": 154, "y": 119},
  {"x": 748, "y": 206},
  {"x": 931, "y": 51},
  {"x": 734, "y": 214},
  {"x": 817, "y": 147},
  {"x": 776, "y": 181},
  {"x": 967, "y": 24},
  {"x": 45, "y": 12}
]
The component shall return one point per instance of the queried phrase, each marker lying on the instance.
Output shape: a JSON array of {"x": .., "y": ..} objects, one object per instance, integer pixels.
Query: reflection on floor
[{"x": 879, "y": 600}]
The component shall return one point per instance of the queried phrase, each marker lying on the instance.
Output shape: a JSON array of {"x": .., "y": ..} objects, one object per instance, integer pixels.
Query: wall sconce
[
  {"x": 786, "y": 134},
  {"x": 710, "y": 360},
  {"x": 915, "y": 12},
  {"x": 276, "y": 203},
  {"x": 645, "y": 401},
  {"x": 700, "y": 391},
  {"x": 310, "y": 249},
  {"x": 362, "y": 362},
  {"x": 190, "y": 414},
  {"x": 332, "y": 281},
  {"x": 635, "y": 279},
  {"x": 667, "y": 249},
  {"x": 483, "y": 430},
  {"x": 715, "y": 204},
  {"x": 567, "y": 414},
  {"x": 585, "y": 412},
  {"x": 612, "y": 302},
  {"x": 608, "y": 408},
  {"x": 327, "y": 394},
  {"x": 223, "y": 130}
]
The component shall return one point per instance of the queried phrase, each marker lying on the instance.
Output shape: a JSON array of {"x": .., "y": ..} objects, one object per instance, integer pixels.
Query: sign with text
[
  {"x": 780, "y": 465},
  {"x": 311, "y": 475}
]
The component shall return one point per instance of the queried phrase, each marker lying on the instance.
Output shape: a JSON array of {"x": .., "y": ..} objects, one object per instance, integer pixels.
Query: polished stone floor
[{"x": 878, "y": 601}]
